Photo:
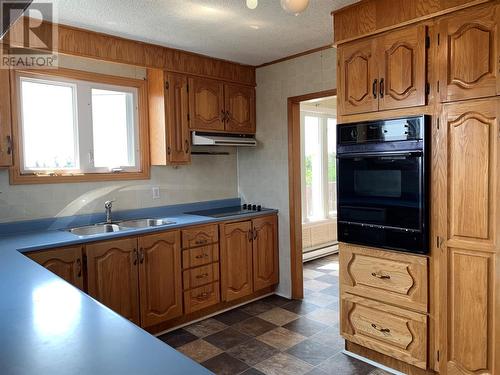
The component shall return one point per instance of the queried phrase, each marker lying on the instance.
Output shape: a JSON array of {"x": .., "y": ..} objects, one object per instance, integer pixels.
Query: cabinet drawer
[
  {"x": 396, "y": 332},
  {"x": 200, "y": 236},
  {"x": 195, "y": 277},
  {"x": 199, "y": 298},
  {"x": 200, "y": 256},
  {"x": 395, "y": 278}
]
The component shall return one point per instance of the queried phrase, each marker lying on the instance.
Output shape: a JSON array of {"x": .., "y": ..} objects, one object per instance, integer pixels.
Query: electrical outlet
[{"x": 156, "y": 192}]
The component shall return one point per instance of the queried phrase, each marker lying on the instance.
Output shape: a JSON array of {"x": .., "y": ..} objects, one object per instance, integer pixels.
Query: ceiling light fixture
[
  {"x": 252, "y": 4},
  {"x": 294, "y": 6}
]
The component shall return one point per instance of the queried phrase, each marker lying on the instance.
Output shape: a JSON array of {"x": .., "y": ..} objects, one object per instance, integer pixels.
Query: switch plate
[{"x": 156, "y": 192}]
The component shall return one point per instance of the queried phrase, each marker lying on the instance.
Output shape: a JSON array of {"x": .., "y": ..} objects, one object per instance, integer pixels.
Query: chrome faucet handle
[{"x": 109, "y": 204}]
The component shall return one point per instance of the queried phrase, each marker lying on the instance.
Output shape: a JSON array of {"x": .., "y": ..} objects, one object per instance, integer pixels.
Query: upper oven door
[{"x": 383, "y": 189}]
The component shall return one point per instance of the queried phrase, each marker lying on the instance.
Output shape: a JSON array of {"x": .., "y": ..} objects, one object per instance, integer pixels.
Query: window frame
[
  {"x": 102, "y": 81},
  {"x": 323, "y": 128}
]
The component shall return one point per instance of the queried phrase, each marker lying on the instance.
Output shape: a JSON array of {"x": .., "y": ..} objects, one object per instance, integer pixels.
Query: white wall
[
  {"x": 207, "y": 178},
  {"x": 263, "y": 173}
]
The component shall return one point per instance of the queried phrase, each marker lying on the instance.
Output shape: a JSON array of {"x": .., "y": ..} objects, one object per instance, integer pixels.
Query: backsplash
[{"x": 207, "y": 178}]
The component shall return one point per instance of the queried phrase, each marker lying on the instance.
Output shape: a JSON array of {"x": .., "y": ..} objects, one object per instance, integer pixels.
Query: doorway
[{"x": 318, "y": 206}]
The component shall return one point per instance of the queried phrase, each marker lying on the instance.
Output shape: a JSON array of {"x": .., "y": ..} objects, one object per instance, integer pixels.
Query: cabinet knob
[
  {"x": 141, "y": 255},
  {"x": 201, "y": 256},
  {"x": 79, "y": 267},
  {"x": 201, "y": 242},
  {"x": 136, "y": 257},
  {"x": 385, "y": 331},
  {"x": 382, "y": 87},
  {"x": 10, "y": 145},
  {"x": 186, "y": 148},
  {"x": 374, "y": 88},
  {"x": 379, "y": 275},
  {"x": 202, "y": 276}
]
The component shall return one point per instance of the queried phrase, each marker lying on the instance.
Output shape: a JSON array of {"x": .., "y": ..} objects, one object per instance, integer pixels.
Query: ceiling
[{"x": 225, "y": 29}]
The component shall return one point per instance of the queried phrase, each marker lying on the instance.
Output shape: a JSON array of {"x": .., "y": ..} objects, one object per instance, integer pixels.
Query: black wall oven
[{"x": 382, "y": 183}]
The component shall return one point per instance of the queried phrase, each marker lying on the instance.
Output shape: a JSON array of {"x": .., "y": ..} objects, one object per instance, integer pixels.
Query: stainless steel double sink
[{"x": 90, "y": 230}]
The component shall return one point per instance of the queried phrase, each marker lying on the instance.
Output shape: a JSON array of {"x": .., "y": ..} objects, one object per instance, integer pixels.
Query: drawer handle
[
  {"x": 202, "y": 296},
  {"x": 204, "y": 255},
  {"x": 202, "y": 276},
  {"x": 378, "y": 275},
  {"x": 200, "y": 242},
  {"x": 79, "y": 268},
  {"x": 385, "y": 331}
]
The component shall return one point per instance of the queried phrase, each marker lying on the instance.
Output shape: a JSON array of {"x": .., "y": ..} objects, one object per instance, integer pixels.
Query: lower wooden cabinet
[
  {"x": 64, "y": 262},
  {"x": 113, "y": 277},
  {"x": 160, "y": 277},
  {"x": 202, "y": 297},
  {"x": 265, "y": 252},
  {"x": 399, "y": 333}
]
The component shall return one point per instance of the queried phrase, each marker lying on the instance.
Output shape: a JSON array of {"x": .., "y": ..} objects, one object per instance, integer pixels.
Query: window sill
[{"x": 16, "y": 178}]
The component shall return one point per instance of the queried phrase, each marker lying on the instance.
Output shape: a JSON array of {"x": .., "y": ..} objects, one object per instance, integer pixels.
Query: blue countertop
[{"x": 47, "y": 326}]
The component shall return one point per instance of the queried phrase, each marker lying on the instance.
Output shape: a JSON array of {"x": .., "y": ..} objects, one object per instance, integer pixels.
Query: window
[
  {"x": 73, "y": 126},
  {"x": 319, "y": 166}
]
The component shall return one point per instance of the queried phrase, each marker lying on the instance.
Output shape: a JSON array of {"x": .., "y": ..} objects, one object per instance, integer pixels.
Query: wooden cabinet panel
[
  {"x": 265, "y": 252},
  {"x": 160, "y": 277},
  {"x": 236, "y": 260},
  {"x": 206, "y": 104},
  {"x": 64, "y": 262},
  {"x": 200, "y": 256},
  {"x": 472, "y": 143},
  {"x": 468, "y": 54},
  {"x": 202, "y": 297},
  {"x": 113, "y": 277},
  {"x": 390, "y": 277},
  {"x": 470, "y": 312},
  {"x": 239, "y": 102},
  {"x": 6, "y": 142},
  {"x": 178, "y": 135},
  {"x": 196, "y": 277},
  {"x": 402, "y": 55},
  {"x": 358, "y": 77},
  {"x": 200, "y": 236},
  {"x": 396, "y": 332}
]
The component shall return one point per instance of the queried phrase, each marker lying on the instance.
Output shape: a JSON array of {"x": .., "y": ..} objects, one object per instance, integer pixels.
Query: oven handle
[{"x": 379, "y": 154}]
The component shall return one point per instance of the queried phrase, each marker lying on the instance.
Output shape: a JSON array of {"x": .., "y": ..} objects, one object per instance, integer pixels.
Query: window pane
[
  {"x": 312, "y": 153},
  {"x": 331, "y": 132},
  {"x": 48, "y": 125},
  {"x": 113, "y": 129}
]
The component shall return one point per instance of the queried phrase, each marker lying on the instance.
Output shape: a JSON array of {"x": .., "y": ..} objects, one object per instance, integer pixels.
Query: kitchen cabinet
[
  {"x": 385, "y": 72},
  {"x": 6, "y": 142},
  {"x": 160, "y": 280},
  {"x": 469, "y": 187},
  {"x": 113, "y": 277},
  {"x": 170, "y": 141},
  {"x": 236, "y": 260},
  {"x": 64, "y": 262},
  {"x": 217, "y": 106},
  {"x": 468, "y": 53},
  {"x": 265, "y": 252}
]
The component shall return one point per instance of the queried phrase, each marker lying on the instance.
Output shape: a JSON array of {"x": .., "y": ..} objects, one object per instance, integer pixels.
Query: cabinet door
[
  {"x": 160, "y": 277},
  {"x": 64, "y": 262},
  {"x": 469, "y": 279},
  {"x": 265, "y": 252},
  {"x": 239, "y": 102},
  {"x": 5, "y": 120},
  {"x": 402, "y": 71},
  {"x": 206, "y": 104},
  {"x": 113, "y": 276},
  {"x": 176, "y": 107},
  {"x": 468, "y": 54},
  {"x": 236, "y": 260},
  {"x": 357, "y": 75}
]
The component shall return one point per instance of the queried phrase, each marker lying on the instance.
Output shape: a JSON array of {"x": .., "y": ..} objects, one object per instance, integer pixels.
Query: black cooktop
[{"x": 229, "y": 211}]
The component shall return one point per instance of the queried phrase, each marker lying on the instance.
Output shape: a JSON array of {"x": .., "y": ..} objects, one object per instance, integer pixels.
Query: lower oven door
[{"x": 381, "y": 191}]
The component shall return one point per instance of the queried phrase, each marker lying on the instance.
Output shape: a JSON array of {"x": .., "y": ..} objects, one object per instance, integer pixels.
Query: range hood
[{"x": 222, "y": 139}]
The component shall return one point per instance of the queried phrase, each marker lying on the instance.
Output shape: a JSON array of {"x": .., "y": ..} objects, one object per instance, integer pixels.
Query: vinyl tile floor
[{"x": 277, "y": 336}]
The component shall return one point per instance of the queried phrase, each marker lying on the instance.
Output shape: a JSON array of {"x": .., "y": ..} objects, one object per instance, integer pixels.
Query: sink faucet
[{"x": 108, "y": 205}]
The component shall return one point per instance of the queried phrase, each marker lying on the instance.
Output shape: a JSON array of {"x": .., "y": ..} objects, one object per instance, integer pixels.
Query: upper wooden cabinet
[
  {"x": 265, "y": 252},
  {"x": 112, "y": 276},
  {"x": 223, "y": 107},
  {"x": 168, "y": 118},
  {"x": 64, "y": 262},
  {"x": 6, "y": 142},
  {"x": 160, "y": 277},
  {"x": 206, "y": 104},
  {"x": 236, "y": 260},
  {"x": 239, "y": 102},
  {"x": 468, "y": 54},
  {"x": 386, "y": 72}
]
